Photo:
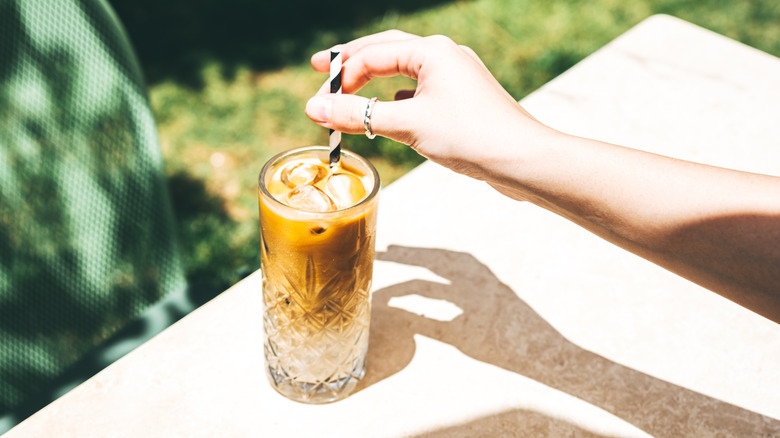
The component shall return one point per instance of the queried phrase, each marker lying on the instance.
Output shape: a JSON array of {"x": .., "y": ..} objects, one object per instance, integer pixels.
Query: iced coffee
[{"x": 317, "y": 226}]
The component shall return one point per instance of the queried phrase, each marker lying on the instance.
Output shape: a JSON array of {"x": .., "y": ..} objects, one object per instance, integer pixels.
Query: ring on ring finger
[{"x": 367, "y": 118}]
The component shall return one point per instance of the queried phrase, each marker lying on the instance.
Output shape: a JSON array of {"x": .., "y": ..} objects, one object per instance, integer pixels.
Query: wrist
[{"x": 519, "y": 156}]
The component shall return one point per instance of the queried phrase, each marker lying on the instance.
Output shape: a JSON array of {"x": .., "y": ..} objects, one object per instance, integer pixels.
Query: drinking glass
[{"x": 316, "y": 269}]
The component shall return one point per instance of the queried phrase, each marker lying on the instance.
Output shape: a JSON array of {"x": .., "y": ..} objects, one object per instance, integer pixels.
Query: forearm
[{"x": 717, "y": 227}]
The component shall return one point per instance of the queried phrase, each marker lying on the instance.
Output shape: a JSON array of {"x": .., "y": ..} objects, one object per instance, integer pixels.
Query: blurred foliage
[
  {"x": 229, "y": 80},
  {"x": 176, "y": 37}
]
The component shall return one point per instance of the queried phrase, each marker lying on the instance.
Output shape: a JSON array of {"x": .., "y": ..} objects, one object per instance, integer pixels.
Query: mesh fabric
[{"x": 86, "y": 231}]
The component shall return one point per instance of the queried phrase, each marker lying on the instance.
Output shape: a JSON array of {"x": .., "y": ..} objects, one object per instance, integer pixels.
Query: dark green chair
[{"x": 87, "y": 242}]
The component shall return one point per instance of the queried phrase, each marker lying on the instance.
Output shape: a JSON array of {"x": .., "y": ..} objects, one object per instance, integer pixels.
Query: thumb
[{"x": 347, "y": 113}]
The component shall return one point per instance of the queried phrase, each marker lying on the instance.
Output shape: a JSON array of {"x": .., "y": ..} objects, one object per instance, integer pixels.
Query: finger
[
  {"x": 403, "y": 57},
  {"x": 400, "y": 56},
  {"x": 369, "y": 64},
  {"x": 346, "y": 113},
  {"x": 387, "y": 59},
  {"x": 321, "y": 60},
  {"x": 368, "y": 73},
  {"x": 339, "y": 112}
]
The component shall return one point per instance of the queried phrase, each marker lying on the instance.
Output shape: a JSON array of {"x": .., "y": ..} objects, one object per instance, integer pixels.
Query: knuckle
[
  {"x": 441, "y": 41},
  {"x": 356, "y": 113},
  {"x": 395, "y": 33},
  {"x": 468, "y": 50}
]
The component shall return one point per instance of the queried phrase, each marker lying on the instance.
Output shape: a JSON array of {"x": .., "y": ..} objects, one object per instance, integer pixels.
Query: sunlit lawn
[{"x": 216, "y": 136}]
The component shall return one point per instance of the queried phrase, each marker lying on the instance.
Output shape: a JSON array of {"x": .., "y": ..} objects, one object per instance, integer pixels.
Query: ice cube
[
  {"x": 310, "y": 198},
  {"x": 298, "y": 174},
  {"x": 345, "y": 189}
]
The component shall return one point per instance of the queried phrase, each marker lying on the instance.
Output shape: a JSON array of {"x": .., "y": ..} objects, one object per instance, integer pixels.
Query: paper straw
[{"x": 335, "y": 87}]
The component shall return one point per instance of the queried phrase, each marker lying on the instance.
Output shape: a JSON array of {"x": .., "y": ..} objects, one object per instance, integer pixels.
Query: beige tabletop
[{"x": 496, "y": 318}]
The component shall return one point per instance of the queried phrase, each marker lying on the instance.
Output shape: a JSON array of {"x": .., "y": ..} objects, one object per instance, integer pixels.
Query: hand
[
  {"x": 716, "y": 227},
  {"x": 459, "y": 115}
]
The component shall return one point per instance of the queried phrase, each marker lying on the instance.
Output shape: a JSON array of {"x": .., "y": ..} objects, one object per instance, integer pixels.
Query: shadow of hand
[{"x": 497, "y": 327}]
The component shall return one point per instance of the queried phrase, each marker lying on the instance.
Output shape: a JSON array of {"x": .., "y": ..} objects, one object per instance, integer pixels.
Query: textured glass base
[
  {"x": 320, "y": 392},
  {"x": 316, "y": 337}
]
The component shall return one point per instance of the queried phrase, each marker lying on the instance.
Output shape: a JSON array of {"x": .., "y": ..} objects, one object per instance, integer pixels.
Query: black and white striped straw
[{"x": 335, "y": 87}]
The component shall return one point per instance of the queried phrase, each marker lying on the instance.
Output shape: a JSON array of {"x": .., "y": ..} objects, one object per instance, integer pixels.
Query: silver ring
[{"x": 367, "y": 119}]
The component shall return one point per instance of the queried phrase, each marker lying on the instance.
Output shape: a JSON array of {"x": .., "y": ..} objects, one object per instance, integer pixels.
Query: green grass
[{"x": 221, "y": 122}]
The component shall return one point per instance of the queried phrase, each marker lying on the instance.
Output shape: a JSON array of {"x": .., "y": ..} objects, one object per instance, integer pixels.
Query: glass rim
[{"x": 276, "y": 158}]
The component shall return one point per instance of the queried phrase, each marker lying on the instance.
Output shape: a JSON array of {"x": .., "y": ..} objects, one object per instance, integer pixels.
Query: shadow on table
[
  {"x": 497, "y": 327},
  {"x": 516, "y": 423}
]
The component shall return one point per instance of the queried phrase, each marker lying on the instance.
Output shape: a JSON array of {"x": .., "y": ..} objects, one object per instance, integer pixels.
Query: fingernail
[{"x": 319, "y": 108}]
